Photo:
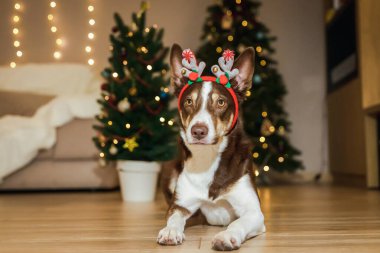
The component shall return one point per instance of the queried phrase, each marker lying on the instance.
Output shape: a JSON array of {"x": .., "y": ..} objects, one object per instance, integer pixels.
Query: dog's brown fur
[{"x": 235, "y": 159}]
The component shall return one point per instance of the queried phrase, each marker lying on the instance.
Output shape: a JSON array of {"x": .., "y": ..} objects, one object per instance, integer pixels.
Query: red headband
[{"x": 230, "y": 90}]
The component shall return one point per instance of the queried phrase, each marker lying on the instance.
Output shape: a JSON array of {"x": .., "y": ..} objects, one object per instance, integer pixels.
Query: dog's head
[{"x": 207, "y": 108}]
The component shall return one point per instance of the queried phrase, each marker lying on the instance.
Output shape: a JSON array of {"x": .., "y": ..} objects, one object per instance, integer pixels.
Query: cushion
[
  {"x": 51, "y": 79},
  {"x": 21, "y": 103}
]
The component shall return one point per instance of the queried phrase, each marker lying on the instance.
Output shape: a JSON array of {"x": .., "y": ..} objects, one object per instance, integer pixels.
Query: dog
[{"x": 214, "y": 179}]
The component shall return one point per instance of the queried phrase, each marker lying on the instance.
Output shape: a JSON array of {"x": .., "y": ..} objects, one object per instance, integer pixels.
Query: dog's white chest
[
  {"x": 194, "y": 185},
  {"x": 198, "y": 173}
]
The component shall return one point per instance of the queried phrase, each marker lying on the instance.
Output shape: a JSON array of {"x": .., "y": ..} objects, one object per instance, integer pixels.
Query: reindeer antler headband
[{"x": 223, "y": 74}]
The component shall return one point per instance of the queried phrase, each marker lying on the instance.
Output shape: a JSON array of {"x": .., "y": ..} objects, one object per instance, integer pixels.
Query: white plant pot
[{"x": 138, "y": 180}]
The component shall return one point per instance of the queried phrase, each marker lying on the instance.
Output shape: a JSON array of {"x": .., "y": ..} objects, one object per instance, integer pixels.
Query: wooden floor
[{"x": 298, "y": 218}]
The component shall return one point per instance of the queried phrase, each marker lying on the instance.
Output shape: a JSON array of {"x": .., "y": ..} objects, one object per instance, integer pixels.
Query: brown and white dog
[{"x": 215, "y": 179}]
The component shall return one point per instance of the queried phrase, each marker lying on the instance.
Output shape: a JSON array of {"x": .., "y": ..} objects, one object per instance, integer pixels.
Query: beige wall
[{"x": 297, "y": 23}]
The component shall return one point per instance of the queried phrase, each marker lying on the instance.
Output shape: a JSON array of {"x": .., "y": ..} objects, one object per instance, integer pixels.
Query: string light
[
  {"x": 262, "y": 139},
  {"x": 265, "y": 145},
  {"x": 125, "y": 62},
  {"x": 157, "y": 98},
  {"x": 109, "y": 123},
  {"x": 91, "y": 35},
  {"x": 263, "y": 63},
  {"x": 115, "y": 75},
  {"x": 266, "y": 168},
  {"x": 57, "y": 54},
  {"x": 101, "y": 154},
  {"x": 149, "y": 67},
  {"x": 127, "y": 126},
  {"x": 257, "y": 173},
  {"x": 144, "y": 50},
  {"x": 281, "y": 159},
  {"x": 170, "y": 122},
  {"x": 259, "y": 49},
  {"x": 162, "y": 119},
  {"x": 218, "y": 49},
  {"x": 255, "y": 155},
  {"x": 16, "y": 33},
  {"x": 264, "y": 114},
  {"x": 230, "y": 38},
  {"x": 244, "y": 23},
  {"x": 115, "y": 141},
  {"x": 238, "y": 1}
]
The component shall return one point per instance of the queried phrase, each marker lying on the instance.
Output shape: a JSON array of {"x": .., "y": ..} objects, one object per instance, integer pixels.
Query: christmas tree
[
  {"x": 135, "y": 120},
  {"x": 233, "y": 24}
]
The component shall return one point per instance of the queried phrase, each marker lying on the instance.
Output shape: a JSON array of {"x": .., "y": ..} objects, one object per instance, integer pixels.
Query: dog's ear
[
  {"x": 245, "y": 63},
  {"x": 177, "y": 79}
]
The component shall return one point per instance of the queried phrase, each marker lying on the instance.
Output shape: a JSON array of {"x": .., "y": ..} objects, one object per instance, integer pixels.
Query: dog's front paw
[
  {"x": 226, "y": 240},
  {"x": 170, "y": 236}
]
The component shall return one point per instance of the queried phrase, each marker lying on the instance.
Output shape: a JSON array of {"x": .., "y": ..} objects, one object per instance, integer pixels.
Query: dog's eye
[
  {"x": 188, "y": 101},
  {"x": 221, "y": 102}
]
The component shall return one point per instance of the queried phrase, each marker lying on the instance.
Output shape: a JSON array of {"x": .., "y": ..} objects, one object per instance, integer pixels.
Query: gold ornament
[
  {"x": 145, "y": 6},
  {"x": 281, "y": 130},
  {"x": 123, "y": 105},
  {"x": 113, "y": 150},
  {"x": 132, "y": 91},
  {"x": 267, "y": 127},
  {"x": 130, "y": 144},
  {"x": 240, "y": 48},
  {"x": 183, "y": 71},
  {"x": 102, "y": 138},
  {"x": 215, "y": 69},
  {"x": 227, "y": 21}
]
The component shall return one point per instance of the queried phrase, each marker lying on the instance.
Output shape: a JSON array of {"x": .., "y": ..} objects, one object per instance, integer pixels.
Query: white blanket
[{"x": 22, "y": 137}]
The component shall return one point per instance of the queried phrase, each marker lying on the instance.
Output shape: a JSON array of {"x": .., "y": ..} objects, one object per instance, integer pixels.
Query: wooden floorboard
[{"x": 298, "y": 219}]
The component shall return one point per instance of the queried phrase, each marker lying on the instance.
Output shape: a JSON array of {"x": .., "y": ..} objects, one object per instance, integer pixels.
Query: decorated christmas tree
[
  {"x": 135, "y": 120},
  {"x": 233, "y": 24}
]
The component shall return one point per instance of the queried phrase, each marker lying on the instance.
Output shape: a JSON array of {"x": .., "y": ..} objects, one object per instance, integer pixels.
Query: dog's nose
[{"x": 199, "y": 131}]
